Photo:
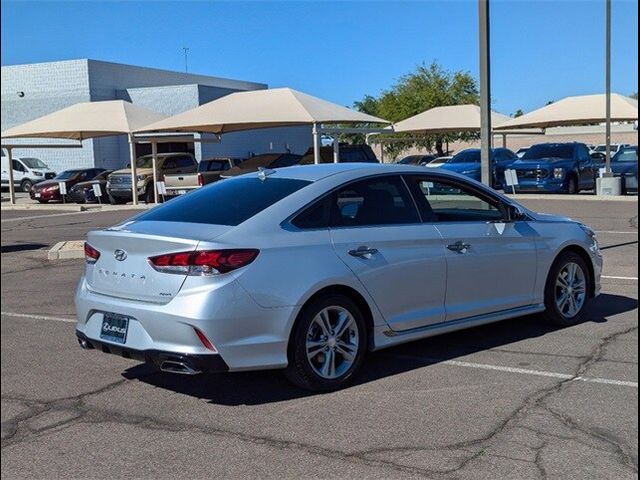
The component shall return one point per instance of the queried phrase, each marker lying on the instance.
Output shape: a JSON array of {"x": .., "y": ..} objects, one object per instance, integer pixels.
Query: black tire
[
  {"x": 572, "y": 186},
  {"x": 148, "y": 194},
  {"x": 117, "y": 201},
  {"x": 43, "y": 201},
  {"x": 299, "y": 371},
  {"x": 26, "y": 185},
  {"x": 552, "y": 314}
]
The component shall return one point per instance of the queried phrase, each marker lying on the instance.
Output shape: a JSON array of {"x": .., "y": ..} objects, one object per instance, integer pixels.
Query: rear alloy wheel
[
  {"x": 567, "y": 290},
  {"x": 26, "y": 185},
  {"x": 328, "y": 344}
]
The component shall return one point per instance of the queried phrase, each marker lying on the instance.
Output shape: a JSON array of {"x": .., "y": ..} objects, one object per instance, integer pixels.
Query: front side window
[
  {"x": 446, "y": 201},
  {"x": 376, "y": 201}
]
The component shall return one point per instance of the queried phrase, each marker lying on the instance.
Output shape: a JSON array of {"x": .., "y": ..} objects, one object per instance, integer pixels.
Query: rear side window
[
  {"x": 227, "y": 202},
  {"x": 376, "y": 201}
]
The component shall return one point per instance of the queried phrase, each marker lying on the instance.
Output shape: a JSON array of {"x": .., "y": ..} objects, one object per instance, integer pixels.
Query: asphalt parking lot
[{"x": 516, "y": 399}]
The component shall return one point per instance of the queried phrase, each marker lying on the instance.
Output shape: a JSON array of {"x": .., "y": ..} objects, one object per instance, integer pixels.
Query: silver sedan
[{"x": 307, "y": 268}]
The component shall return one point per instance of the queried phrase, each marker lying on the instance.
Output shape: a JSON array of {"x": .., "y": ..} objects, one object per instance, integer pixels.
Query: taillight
[
  {"x": 91, "y": 255},
  {"x": 204, "y": 262},
  {"x": 200, "y": 179}
]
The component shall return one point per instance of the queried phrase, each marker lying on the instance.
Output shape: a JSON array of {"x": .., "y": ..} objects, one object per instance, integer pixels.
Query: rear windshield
[
  {"x": 214, "y": 165},
  {"x": 549, "y": 151},
  {"x": 227, "y": 202}
]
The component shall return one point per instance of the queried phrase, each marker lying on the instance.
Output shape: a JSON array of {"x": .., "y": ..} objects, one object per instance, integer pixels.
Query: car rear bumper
[
  {"x": 193, "y": 363},
  {"x": 245, "y": 335}
]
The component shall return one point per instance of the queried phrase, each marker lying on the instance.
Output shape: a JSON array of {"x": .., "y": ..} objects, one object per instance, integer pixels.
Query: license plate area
[{"x": 114, "y": 327}]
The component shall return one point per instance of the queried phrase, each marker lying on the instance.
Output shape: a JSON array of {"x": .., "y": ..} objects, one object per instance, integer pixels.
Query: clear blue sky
[{"x": 541, "y": 50}]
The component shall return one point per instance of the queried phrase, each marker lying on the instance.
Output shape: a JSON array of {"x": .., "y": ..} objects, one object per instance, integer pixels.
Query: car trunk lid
[{"x": 123, "y": 269}]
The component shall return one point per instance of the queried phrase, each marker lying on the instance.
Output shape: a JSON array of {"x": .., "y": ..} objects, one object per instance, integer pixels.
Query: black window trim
[{"x": 288, "y": 224}]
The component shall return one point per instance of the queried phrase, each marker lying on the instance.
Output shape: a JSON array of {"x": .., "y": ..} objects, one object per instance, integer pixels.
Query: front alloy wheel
[
  {"x": 567, "y": 290},
  {"x": 328, "y": 343}
]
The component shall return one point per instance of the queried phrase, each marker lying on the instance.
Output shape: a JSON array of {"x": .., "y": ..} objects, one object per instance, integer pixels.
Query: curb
[{"x": 66, "y": 250}]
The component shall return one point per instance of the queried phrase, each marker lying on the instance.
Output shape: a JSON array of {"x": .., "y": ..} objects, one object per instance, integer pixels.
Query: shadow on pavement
[
  {"x": 254, "y": 388},
  {"x": 21, "y": 247}
]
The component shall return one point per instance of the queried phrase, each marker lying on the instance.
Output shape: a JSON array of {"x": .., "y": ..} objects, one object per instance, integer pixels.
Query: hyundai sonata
[{"x": 307, "y": 268}]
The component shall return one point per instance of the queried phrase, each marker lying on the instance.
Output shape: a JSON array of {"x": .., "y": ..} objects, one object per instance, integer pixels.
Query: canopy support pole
[
  {"x": 154, "y": 160},
  {"x": 316, "y": 144},
  {"x": 12, "y": 187},
  {"x": 134, "y": 170},
  {"x": 485, "y": 93},
  {"x": 336, "y": 149},
  {"x": 504, "y": 140},
  {"x": 608, "y": 91}
]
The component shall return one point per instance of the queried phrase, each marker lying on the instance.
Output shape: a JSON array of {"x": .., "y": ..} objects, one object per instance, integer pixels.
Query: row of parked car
[
  {"x": 545, "y": 167},
  {"x": 180, "y": 173}
]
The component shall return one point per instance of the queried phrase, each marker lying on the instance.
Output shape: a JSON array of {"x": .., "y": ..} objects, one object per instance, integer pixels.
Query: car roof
[{"x": 313, "y": 173}]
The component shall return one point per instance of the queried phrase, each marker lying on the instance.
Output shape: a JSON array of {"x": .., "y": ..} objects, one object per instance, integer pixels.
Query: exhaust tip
[
  {"x": 84, "y": 343},
  {"x": 182, "y": 368}
]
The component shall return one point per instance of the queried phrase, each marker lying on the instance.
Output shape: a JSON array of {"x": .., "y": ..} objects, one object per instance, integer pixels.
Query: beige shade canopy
[
  {"x": 579, "y": 110},
  {"x": 259, "y": 109},
  {"x": 452, "y": 118},
  {"x": 87, "y": 120}
]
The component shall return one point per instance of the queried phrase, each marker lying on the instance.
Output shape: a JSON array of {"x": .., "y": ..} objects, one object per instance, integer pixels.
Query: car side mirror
[{"x": 514, "y": 213}]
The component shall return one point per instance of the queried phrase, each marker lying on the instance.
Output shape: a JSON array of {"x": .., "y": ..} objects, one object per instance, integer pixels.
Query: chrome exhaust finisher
[
  {"x": 84, "y": 343},
  {"x": 182, "y": 368}
]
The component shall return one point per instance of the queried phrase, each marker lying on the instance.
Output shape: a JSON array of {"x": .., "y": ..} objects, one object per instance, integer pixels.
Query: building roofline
[{"x": 198, "y": 78}]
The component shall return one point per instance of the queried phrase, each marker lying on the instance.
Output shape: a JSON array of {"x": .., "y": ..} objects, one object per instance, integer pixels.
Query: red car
[{"x": 49, "y": 190}]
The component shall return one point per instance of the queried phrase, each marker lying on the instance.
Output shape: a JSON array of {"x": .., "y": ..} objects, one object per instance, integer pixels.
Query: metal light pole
[
  {"x": 608, "y": 90},
  {"x": 485, "y": 93},
  {"x": 186, "y": 54}
]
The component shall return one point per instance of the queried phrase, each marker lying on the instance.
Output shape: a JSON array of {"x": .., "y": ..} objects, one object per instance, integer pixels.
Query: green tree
[
  {"x": 427, "y": 87},
  {"x": 518, "y": 113},
  {"x": 634, "y": 95}
]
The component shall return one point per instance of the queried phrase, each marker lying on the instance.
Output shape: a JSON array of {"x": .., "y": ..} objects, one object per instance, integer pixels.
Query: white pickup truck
[{"x": 208, "y": 172}]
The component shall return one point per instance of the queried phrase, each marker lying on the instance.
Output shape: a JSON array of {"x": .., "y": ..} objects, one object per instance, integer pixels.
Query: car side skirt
[{"x": 389, "y": 338}]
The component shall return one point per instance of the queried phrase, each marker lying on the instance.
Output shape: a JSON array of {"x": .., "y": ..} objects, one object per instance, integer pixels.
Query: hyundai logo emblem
[{"x": 120, "y": 255}]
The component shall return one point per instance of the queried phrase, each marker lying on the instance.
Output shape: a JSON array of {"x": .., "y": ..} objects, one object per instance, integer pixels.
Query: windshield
[
  {"x": 466, "y": 156},
  {"x": 34, "y": 163},
  {"x": 626, "y": 155},
  {"x": 145, "y": 162},
  {"x": 229, "y": 202},
  {"x": 603, "y": 148},
  {"x": 67, "y": 174},
  {"x": 549, "y": 151}
]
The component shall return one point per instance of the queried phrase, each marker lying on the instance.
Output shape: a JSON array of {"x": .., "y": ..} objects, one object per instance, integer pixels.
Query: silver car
[{"x": 307, "y": 268}]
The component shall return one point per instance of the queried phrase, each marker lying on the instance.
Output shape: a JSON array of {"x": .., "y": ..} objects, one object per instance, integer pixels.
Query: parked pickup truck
[{"x": 209, "y": 171}]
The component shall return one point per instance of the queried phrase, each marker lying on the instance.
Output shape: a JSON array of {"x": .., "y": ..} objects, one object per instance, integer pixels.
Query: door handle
[
  {"x": 363, "y": 252},
  {"x": 459, "y": 247}
]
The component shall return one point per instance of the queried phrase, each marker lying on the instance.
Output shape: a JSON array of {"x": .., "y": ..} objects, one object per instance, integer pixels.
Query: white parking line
[
  {"x": 627, "y": 232},
  {"x": 38, "y": 317},
  {"x": 519, "y": 371},
  {"x": 610, "y": 277}
]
